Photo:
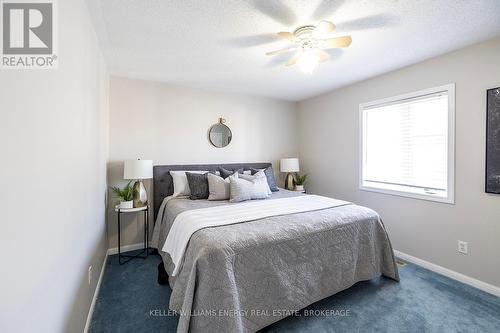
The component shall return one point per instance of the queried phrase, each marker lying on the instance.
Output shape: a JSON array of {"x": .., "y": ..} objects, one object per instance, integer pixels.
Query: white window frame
[{"x": 413, "y": 192}]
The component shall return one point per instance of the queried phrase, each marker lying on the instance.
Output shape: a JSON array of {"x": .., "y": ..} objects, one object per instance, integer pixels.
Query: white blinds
[{"x": 405, "y": 142}]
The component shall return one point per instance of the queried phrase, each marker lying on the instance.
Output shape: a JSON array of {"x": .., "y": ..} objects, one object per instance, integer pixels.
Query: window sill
[{"x": 409, "y": 192}]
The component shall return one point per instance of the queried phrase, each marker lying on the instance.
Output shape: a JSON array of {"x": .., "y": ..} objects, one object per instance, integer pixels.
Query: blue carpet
[{"x": 130, "y": 300}]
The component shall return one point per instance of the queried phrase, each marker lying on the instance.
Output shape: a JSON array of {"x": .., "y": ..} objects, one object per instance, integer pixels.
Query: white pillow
[
  {"x": 260, "y": 174},
  {"x": 218, "y": 187},
  {"x": 242, "y": 189},
  {"x": 181, "y": 185}
]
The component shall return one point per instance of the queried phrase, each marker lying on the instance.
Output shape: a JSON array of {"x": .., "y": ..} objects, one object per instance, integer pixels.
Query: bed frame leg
[{"x": 162, "y": 274}]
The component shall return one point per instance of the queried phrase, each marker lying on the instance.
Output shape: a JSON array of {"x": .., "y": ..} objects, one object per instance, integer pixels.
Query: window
[{"x": 407, "y": 145}]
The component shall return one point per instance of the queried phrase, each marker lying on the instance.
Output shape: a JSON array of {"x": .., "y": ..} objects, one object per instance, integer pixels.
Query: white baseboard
[
  {"x": 96, "y": 292},
  {"x": 126, "y": 248},
  {"x": 489, "y": 288}
]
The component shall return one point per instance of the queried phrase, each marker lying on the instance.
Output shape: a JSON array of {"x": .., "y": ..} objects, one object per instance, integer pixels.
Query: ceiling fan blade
[
  {"x": 323, "y": 56},
  {"x": 293, "y": 60},
  {"x": 336, "y": 42},
  {"x": 323, "y": 29},
  {"x": 285, "y": 50},
  {"x": 287, "y": 35}
]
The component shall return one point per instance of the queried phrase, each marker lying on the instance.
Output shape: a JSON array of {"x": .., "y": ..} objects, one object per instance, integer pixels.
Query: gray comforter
[{"x": 243, "y": 277}]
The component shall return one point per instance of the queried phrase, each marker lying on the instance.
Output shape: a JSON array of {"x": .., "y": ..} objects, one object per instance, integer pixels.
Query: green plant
[
  {"x": 300, "y": 180},
  {"x": 125, "y": 194}
]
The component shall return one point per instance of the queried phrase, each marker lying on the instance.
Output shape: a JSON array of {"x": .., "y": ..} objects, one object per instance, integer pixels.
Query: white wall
[
  {"x": 428, "y": 230},
  {"x": 53, "y": 143},
  {"x": 169, "y": 124}
]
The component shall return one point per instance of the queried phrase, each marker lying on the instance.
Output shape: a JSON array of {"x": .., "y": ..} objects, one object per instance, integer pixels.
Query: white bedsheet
[{"x": 188, "y": 222}]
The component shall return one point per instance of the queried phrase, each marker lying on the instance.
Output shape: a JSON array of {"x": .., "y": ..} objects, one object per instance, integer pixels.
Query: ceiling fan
[{"x": 310, "y": 41}]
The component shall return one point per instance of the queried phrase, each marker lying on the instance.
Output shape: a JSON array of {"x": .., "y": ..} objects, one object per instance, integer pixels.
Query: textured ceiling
[{"x": 220, "y": 44}]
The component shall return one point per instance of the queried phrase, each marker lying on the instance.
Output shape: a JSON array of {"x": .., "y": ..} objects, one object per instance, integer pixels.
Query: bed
[{"x": 244, "y": 276}]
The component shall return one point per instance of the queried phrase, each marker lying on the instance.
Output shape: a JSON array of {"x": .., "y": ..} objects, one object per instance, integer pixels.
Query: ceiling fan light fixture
[
  {"x": 308, "y": 61},
  {"x": 311, "y": 41}
]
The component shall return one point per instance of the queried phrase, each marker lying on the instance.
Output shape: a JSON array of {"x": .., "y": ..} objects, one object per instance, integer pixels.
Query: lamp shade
[
  {"x": 289, "y": 165},
  {"x": 138, "y": 169}
]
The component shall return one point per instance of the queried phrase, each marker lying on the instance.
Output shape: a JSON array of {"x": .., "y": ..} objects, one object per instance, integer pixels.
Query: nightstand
[{"x": 139, "y": 255}]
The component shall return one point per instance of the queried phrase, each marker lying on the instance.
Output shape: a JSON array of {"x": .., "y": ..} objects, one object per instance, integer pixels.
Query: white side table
[{"x": 139, "y": 255}]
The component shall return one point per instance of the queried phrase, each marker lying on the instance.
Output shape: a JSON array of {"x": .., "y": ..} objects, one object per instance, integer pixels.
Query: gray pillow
[
  {"x": 224, "y": 173},
  {"x": 218, "y": 187},
  {"x": 270, "y": 177},
  {"x": 198, "y": 184},
  {"x": 242, "y": 189}
]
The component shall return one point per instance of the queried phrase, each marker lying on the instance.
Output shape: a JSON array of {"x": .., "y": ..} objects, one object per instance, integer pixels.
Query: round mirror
[{"x": 219, "y": 134}]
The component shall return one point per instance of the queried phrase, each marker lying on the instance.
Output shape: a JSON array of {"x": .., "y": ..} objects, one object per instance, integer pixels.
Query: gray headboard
[{"x": 163, "y": 184}]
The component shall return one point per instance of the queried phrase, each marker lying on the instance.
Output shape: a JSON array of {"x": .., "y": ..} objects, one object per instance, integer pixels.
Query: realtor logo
[{"x": 28, "y": 39}]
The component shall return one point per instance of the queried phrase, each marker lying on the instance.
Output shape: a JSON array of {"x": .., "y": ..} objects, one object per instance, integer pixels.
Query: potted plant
[
  {"x": 299, "y": 182},
  {"x": 125, "y": 195}
]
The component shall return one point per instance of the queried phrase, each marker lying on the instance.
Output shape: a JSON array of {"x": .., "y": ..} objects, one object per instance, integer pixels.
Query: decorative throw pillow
[
  {"x": 218, "y": 187},
  {"x": 181, "y": 185},
  {"x": 259, "y": 174},
  {"x": 270, "y": 177},
  {"x": 242, "y": 189},
  {"x": 198, "y": 185},
  {"x": 224, "y": 173}
]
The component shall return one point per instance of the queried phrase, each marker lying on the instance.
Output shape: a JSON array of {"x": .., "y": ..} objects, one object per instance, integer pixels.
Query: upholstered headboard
[{"x": 163, "y": 184}]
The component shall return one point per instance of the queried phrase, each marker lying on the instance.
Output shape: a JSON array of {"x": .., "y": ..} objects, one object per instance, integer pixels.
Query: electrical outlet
[
  {"x": 463, "y": 247},
  {"x": 90, "y": 275}
]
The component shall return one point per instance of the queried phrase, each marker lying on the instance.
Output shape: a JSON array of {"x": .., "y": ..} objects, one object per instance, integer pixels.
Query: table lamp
[
  {"x": 138, "y": 170},
  {"x": 289, "y": 165}
]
